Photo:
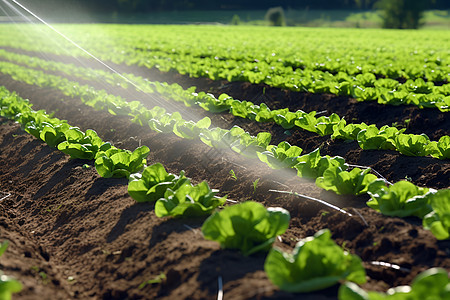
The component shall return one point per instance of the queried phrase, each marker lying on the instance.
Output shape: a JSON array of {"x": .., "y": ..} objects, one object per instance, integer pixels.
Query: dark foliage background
[{"x": 171, "y": 5}]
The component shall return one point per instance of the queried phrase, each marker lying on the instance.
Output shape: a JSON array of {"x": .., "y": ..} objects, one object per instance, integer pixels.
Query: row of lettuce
[
  {"x": 316, "y": 262},
  {"x": 330, "y": 173},
  {"x": 369, "y": 137},
  {"x": 372, "y": 76},
  {"x": 382, "y": 53}
]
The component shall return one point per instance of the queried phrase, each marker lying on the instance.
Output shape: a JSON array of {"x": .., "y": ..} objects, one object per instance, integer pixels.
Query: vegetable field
[{"x": 211, "y": 162}]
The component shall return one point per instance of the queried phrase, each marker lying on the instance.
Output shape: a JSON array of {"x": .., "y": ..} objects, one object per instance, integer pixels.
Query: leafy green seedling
[
  {"x": 429, "y": 285},
  {"x": 157, "y": 279},
  {"x": 255, "y": 185},
  {"x": 400, "y": 199},
  {"x": 355, "y": 182},
  {"x": 316, "y": 263},
  {"x": 120, "y": 163},
  {"x": 152, "y": 184},
  {"x": 247, "y": 226},
  {"x": 189, "y": 201},
  {"x": 233, "y": 175},
  {"x": 438, "y": 221}
]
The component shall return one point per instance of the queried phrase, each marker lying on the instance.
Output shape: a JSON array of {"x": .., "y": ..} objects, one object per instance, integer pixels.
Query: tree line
[{"x": 171, "y": 5}]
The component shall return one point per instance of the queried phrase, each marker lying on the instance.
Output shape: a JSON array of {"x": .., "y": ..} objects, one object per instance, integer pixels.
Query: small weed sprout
[
  {"x": 255, "y": 185},
  {"x": 233, "y": 175}
]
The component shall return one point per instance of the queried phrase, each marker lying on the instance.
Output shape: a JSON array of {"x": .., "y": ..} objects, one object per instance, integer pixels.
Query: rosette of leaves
[
  {"x": 152, "y": 183},
  {"x": 49, "y": 130},
  {"x": 429, "y": 285},
  {"x": 247, "y": 226},
  {"x": 249, "y": 145},
  {"x": 83, "y": 145},
  {"x": 188, "y": 201},
  {"x": 191, "y": 130},
  {"x": 401, "y": 199},
  {"x": 440, "y": 149},
  {"x": 120, "y": 163},
  {"x": 226, "y": 138},
  {"x": 210, "y": 103},
  {"x": 287, "y": 119},
  {"x": 324, "y": 125},
  {"x": 282, "y": 156},
  {"x": 312, "y": 165},
  {"x": 438, "y": 221},
  {"x": 316, "y": 263},
  {"x": 345, "y": 131},
  {"x": 372, "y": 138},
  {"x": 52, "y": 134},
  {"x": 307, "y": 121},
  {"x": 354, "y": 182},
  {"x": 412, "y": 144},
  {"x": 165, "y": 122}
]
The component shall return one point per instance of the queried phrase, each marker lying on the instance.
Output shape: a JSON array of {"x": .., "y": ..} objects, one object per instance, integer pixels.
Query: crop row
[
  {"x": 176, "y": 196},
  {"x": 316, "y": 263},
  {"x": 382, "y": 53},
  {"x": 369, "y": 137},
  {"x": 351, "y": 51},
  {"x": 329, "y": 173},
  {"x": 275, "y": 66}
]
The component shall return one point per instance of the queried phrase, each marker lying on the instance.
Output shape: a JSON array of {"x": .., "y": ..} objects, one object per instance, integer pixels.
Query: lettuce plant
[
  {"x": 247, "y": 226},
  {"x": 153, "y": 183},
  {"x": 355, "y": 182},
  {"x": 429, "y": 285},
  {"x": 438, "y": 221},
  {"x": 400, "y": 199},
  {"x": 165, "y": 122},
  {"x": 188, "y": 201},
  {"x": 282, "y": 156},
  {"x": 120, "y": 163},
  {"x": 312, "y": 165},
  {"x": 411, "y": 144},
  {"x": 316, "y": 263},
  {"x": 287, "y": 120},
  {"x": 51, "y": 134},
  {"x": 324, "y": 125},
  {"x": 221, "y": 138},
  {"x": 440, "y": 149},
  {"x": 83, "y": 145},
  {"x": 372, "y": 138},
  {"x": 249, "y": 145},
  {"x": 191, "y": 130},
  {"x": 345, "y": 131}
]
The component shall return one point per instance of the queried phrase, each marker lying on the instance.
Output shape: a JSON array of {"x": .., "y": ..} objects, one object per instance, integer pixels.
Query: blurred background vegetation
[{"x": 325, "y": 13}]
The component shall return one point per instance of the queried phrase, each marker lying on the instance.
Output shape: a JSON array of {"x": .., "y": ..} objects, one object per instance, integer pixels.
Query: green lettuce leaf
[
  {"x": 438, "y": 220},
  {"x": 316, "y": 263},
  {"x": 248, "y": 226},
  {"x": 188, "y": 201}
]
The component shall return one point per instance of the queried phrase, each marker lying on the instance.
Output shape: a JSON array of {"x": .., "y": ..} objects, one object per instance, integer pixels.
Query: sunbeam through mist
[{"x": 88, "y": 53}]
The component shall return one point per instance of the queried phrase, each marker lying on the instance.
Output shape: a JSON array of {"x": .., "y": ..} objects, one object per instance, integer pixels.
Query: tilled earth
[{"x": 76, "y": 235}]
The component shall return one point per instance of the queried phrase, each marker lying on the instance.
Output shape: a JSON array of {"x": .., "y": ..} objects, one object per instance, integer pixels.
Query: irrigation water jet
[
  {"x": 88, "y": 53},
  {"x": 313, "y": 199}
]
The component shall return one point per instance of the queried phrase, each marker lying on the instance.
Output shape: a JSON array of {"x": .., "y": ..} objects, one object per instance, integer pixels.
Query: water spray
[
  {"x": 74, "y": 43},
  {"x": 313, "y": 199}
]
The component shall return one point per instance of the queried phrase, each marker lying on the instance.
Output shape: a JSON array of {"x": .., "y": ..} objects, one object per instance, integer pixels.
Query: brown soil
[{"x": 75, "y": 235}]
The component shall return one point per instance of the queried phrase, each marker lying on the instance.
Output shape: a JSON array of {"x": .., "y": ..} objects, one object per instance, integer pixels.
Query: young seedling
[
  {"x": 233, "y": 175},
  {"x": 157, "y": 279},
  {"x": 255, "y": 185}
]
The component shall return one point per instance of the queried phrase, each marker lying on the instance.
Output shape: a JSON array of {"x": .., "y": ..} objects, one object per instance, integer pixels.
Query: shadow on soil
[
  {"x": 128, "y": 216},
  {"x": 58, "y": 177}
]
